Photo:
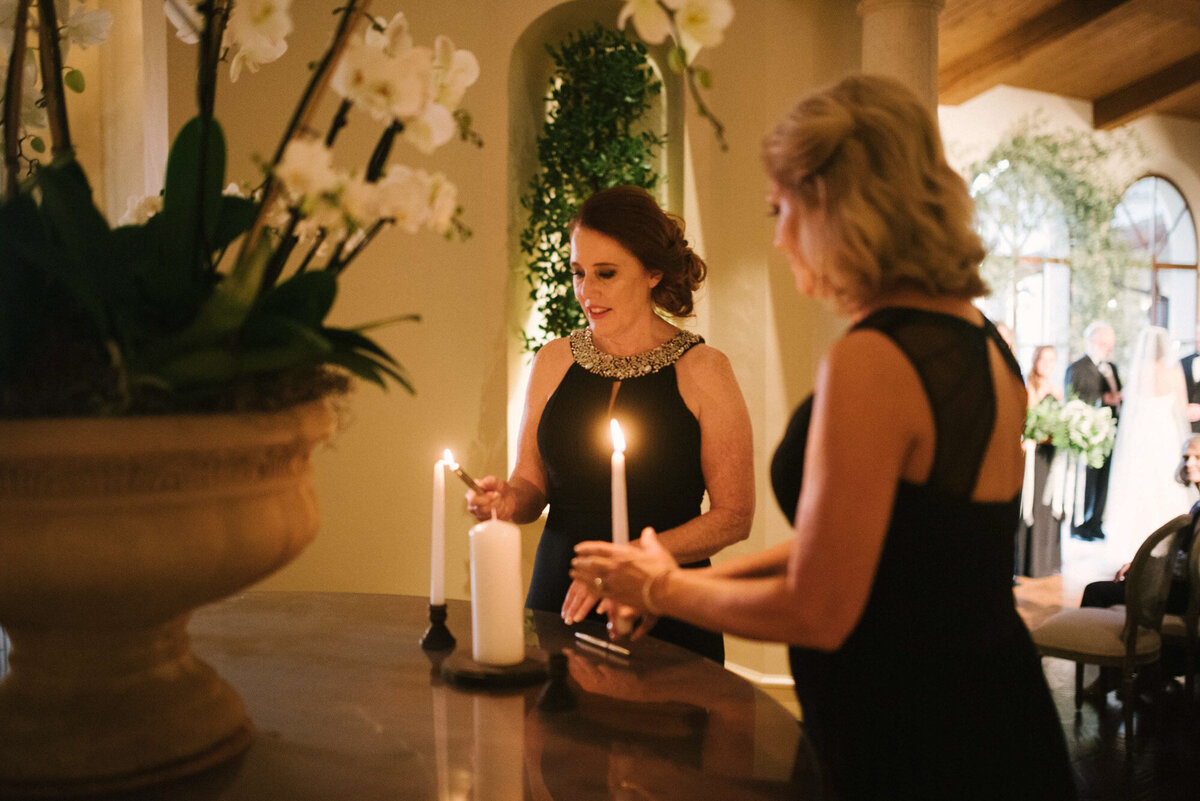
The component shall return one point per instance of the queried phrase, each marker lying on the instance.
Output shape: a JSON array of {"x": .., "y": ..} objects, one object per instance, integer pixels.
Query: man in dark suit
[
  {"x": 1191, "y": 375},
  {"x": 1093, "y": 379}
]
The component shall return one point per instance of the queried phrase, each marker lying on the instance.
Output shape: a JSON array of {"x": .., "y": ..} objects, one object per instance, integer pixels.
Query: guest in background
[
  {"x": 1110, "y": 593},
  {"x": 1094, "y": 379},
  {"x": 1039, "y": 552},
  {"x": 905, "y": 464},
  {"x": 1143, "y": 493},
  {"x": 1191, "y": 376},
  {"x": 682, "y": 414}
]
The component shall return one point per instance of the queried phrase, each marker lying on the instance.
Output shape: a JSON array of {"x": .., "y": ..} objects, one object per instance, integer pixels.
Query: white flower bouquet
[{"x": 1075, "y": 426}]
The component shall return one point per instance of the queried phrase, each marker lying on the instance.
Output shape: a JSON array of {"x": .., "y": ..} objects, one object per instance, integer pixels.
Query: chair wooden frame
[
  {"x": 1130, "y": 636},
  {"x": 1186, "y": 627}
]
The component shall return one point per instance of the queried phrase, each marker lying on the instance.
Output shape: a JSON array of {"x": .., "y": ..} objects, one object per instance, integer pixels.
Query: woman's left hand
[
  {"x": 619, "y": 572},
  {"x": 579, "y": 601}
]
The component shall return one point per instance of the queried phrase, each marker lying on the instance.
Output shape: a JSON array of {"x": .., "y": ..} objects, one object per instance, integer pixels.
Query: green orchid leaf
[
  {"x": 302, "y": 347},
  {"x": 359, "y": 355},
  {"x": 223, "y": 313},
  {"x": 362, "y": 367},
  {"x": 305, "y": 297},
  {"x": 70, "y": 212},
  {"x": 270, "y": 328},
  {"x": 211, "y": 366},
  {"x": 73, "y": 80},
  {"x": 192, "y": 205},
  {"x": 352, "y": 340},
  {"x": 96, "y": 276},
  {"x": 234, "y": 218},
  {"x": 23, "y": 279}
]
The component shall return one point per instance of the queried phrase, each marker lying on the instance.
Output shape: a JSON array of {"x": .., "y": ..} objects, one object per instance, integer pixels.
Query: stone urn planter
[{"x": 111, "y": 532}]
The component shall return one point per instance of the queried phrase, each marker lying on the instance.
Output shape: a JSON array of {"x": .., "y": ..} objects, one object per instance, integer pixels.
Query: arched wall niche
[{"x": 530, "y": 70}]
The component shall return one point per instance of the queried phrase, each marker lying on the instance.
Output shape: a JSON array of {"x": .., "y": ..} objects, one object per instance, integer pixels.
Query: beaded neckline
[{"x": 595, "y": 361}]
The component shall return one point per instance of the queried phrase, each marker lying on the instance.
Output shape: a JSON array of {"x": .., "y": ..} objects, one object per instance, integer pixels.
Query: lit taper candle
[
  {"x": 620, "y": 506},
  {"x": 437, "y": 559}
]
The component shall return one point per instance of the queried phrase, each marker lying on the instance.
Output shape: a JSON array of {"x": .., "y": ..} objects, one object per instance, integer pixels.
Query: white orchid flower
[
  {"x": 652, "y": 23},
  {"x": 268, "y": 19},
  {"x": 413, "y": 78},
  {"x": 701, "y": 23},
  {"x": 140, "y": 209},
  {"x": 187, "y": 20},
  {"x": 453, "y": 71},
  {"x": 364, "y": 77},
  {"x": 432, "y": 129},
  {"x": 253, "y": 54},
  {"x": 404, "y": 197},
  {"x": 361, "y": 202},
  {"x": 84, "y": 27},
  {"x": 394, "y": 38},
  {"x": 306, "y": 169},
  {"x": 442, "y": 203},
  {"x": 321, "y": 220},
  {"x": 258, "y": 30}
]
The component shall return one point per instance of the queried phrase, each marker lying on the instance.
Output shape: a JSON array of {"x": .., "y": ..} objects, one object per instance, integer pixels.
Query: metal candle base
[{"x": 437, "y": 637}]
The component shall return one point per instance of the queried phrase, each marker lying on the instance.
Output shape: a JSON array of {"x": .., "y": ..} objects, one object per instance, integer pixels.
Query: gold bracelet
[{"x": 648, "y": 588}]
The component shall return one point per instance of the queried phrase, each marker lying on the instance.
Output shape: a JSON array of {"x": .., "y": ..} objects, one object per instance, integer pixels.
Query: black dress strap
[{"x": 950, "y": 355}]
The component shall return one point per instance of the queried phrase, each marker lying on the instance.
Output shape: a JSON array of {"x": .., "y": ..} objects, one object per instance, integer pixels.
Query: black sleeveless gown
[
  {"x": 938, "y": 693},
  {"x": 664, "y": 480}
]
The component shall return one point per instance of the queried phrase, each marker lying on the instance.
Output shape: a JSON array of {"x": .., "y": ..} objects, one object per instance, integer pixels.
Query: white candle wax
[
  {"x": 620, "y": 507},
  {"x": 497, "y": 611},
  {"x": 437, "y": 559}
]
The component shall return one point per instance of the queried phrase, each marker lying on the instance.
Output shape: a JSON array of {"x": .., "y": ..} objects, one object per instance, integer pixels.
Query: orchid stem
[{"x": 12, "y": 102}]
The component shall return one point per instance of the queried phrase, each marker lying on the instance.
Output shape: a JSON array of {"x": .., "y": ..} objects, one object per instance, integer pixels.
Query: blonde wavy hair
[{"x": 880, "y": 206}]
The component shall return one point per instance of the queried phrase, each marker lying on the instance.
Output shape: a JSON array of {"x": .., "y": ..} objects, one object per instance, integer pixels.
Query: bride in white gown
[{"x": 1153, "y": 424}]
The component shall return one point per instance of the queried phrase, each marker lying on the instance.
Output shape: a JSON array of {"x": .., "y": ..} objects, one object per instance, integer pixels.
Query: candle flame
[
  {"x": 618, "y": 439},
  {"x": 448, "y": 458}
]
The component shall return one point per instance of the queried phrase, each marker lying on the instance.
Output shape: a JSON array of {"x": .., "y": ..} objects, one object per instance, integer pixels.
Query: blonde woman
[{"x": 901, "y": 474}]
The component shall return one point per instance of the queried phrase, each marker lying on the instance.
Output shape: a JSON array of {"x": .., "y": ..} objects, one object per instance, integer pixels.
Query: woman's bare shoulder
[{"x": 550, "y": 364}]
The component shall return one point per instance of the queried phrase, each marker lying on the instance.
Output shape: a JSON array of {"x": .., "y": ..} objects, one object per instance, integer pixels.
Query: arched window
[
  {"x": 1154, "y": 219},
  {"x": 1027, "y": 266}
]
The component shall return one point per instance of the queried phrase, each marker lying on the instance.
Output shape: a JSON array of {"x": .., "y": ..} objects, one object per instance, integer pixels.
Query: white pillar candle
[
  {"x": 437, "y": 559},
  {"x": 497, "y": 611},
  {"x": 620, "y": 506}
]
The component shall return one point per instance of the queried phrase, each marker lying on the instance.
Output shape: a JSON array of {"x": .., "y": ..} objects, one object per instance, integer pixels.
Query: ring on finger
[{"x": 599, "y": 583}]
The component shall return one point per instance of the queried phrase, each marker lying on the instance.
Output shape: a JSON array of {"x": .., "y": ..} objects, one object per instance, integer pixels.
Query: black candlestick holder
[{"x": 437, "y": 637}]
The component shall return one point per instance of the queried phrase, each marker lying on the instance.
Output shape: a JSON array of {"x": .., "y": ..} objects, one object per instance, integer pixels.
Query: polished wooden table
[{"x": 347, "y": 706}]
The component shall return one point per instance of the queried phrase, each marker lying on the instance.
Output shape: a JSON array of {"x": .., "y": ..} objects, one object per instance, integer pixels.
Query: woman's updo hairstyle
[
  {"x": 631, "y": 216},
  {"x": 865, "y": 160}
]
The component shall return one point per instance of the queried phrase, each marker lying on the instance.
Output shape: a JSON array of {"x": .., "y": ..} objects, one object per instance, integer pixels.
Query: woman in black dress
[
  {"x": 1039, "y": 549},
  {"x": 679, "y": 407},
  {"x": 916, "y": 677}
]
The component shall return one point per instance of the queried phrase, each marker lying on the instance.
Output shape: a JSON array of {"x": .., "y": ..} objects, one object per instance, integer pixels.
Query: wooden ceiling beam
[
  {"x": 973, "y": 73},
  {"x": 1140, "y": 97}
]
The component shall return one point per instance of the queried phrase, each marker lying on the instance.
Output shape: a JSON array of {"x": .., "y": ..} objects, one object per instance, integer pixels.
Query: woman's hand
[
  {"x": 497, "y": 497},
  {"x": 622, "y": 572},
  {"x": 579, "y": 601}
]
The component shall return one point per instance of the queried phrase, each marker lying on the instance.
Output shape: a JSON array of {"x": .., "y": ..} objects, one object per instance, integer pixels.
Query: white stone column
[
  {"x": 900, "y": 39},
  {"x": 133, "y": 85}
]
